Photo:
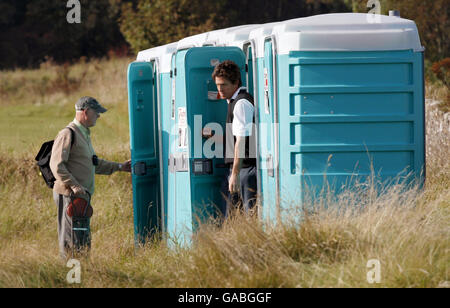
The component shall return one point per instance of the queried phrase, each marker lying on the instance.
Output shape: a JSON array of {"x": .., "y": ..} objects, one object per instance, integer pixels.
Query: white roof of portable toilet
[
  {"x": 162, "y": 53},
  {"x": 258, "y": 35},
  {"x": 193, "y": 41},
  {"x": 346, "y": 32},
  {"x": 214, "y": 37},
  {"x": 221, "y": 37},
  {"x": 237, "y": 36}
]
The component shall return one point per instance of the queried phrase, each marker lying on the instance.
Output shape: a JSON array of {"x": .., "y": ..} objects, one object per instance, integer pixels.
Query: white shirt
[{"x": 243, "y": 116}]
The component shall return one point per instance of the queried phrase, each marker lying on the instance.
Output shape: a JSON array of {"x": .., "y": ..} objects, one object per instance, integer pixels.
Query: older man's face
[{"x": 91, "y": 117}]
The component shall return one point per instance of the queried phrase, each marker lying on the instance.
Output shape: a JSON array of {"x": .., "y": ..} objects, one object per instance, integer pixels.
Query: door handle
[{"x": 141, "y": 168}]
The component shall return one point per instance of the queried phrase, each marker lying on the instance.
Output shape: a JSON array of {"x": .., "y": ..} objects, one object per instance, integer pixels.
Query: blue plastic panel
[
  {"x": 165, "y": 89},
  {"x": 144, "y": 153},
  {"x": 348, "y": 114}
]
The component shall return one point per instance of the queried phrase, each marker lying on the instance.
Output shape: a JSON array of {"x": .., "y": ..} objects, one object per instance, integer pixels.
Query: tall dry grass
[
  {"x": 54, "y": 84},
  {"x": 405, "y": 228},
  {"x": 330, "y": 248}
]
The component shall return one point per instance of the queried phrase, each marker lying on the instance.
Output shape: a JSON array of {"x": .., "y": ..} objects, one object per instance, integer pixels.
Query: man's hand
[
  {"x": 126, "y": 166},
  {"x": 239, "y": 153},
  {"x": 78, "y": 191},
  {"x": 234, "y": 183}
]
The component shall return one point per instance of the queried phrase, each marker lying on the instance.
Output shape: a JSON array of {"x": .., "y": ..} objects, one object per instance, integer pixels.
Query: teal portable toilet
[
  {"x": 342, "y": 97},
  {"x": 149, "y": 88},
  {"x": 176, "y": 184},
  {"x": 195, "y": 171}
]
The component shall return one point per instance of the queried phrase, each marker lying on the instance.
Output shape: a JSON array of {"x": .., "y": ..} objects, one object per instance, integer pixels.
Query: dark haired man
[{"x": 240, "y": 147}]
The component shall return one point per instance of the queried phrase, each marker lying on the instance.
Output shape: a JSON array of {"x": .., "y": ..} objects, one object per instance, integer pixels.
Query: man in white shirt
[{"x": 240, "y": 146}]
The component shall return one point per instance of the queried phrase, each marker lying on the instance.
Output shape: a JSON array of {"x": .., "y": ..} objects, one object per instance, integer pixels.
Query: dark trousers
[
  {"x": 246, "y": 196},
  {"x": 70, "y": 240}
]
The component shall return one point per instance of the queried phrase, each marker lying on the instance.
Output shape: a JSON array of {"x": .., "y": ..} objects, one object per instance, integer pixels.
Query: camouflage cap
[{"x": 89, "y": 102}]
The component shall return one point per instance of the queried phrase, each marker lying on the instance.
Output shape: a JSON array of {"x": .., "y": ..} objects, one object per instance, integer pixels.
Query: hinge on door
[
  {"x": 269, "y": 166},
  {"x": 140, "y": 100},
  {"x": 171, "y": 163},
  {"x": 180, "y": 162}
]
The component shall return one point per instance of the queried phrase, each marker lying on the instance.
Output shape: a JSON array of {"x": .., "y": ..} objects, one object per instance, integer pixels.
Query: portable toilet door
[
  {"x": 268, "y": 141},
  {"x": 351, "y": 102},
  {"x": 261, "y": 63},
  {"x": 249, "y": 69},
  {"x": 175, "y": 160},
  {"x": 142, "y": 107},
  {"x": 197, "y": 162},
  {"x": 165, "y": 88}
]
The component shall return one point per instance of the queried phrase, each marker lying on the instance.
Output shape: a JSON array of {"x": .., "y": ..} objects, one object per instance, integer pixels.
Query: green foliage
[
  {"x": 257, "y": 11},
  {"x": 31, "y": 31},
  {"x": 158, "y": 22}
]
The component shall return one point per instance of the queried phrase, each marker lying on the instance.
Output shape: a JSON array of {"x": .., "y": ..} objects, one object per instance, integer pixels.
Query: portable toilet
[
  {"x": 196, "y": 163},
  {"x": 175, "y": 183},
  {"x": 343, "y": 98},
  {"x": 149, "y": 91}
]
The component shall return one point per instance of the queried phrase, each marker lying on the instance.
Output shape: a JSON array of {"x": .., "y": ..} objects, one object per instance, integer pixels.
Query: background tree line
[{"x": 32, "y": 31}]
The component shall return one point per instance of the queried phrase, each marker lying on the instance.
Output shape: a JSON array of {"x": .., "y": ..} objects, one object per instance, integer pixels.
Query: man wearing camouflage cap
[{"x": 74, "y": 165}]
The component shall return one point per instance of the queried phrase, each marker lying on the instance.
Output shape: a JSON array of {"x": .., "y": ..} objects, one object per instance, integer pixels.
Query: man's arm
[
  {"x": 239, "y": 154},
  {"x": 107, "y": 167},
  {"x": 242, "y": 127}
]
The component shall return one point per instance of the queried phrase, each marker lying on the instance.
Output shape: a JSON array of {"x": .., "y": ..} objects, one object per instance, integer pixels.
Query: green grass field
[{"x": 406, "y": 229}]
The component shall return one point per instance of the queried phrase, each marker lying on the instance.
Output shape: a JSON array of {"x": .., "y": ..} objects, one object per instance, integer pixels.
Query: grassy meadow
[{"x": 405, "y": 228}]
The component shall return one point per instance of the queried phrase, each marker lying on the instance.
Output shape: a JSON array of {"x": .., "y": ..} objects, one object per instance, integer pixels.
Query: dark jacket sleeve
[{"x": 106, "y": 167}]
